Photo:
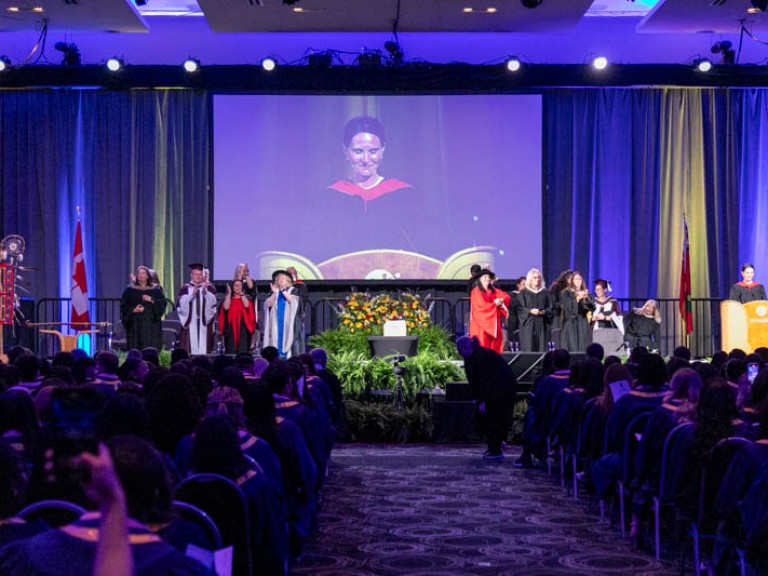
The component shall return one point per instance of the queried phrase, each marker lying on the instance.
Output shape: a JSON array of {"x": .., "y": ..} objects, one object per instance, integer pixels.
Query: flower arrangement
[{"x": 363, "y": 313}]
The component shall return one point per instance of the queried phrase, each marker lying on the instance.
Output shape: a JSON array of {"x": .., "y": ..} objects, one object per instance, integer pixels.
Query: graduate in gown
[
  {"x": 488, "y": 307},
  {"x": 196, "y": 307},
  {"x": 576, "y": 303},
  {"x": 642, "y": 327},
  {"x": 142, "y": 307},
  {"x": 747, "y": 290},
  {"x": 280, "y": 311},
  {"x": 237, "y": 319},
  {"x": 556, "y": 289},
  {"x": 535, "y": 312}
]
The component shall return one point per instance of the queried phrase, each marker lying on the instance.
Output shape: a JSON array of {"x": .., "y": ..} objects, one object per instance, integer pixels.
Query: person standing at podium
[{"x": 747, "y": 290}]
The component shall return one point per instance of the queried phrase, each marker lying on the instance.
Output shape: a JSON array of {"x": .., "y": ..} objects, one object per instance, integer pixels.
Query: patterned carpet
[{"x": 439, "y": 509}]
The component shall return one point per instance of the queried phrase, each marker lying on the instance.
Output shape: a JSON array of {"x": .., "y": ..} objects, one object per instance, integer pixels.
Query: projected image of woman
[{"x": 364, "y": 147}]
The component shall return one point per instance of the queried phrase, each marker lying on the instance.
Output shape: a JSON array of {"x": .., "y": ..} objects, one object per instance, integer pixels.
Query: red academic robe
[
  {"x": 230, "y": 321},
  {"x": 485, "y": 317}
]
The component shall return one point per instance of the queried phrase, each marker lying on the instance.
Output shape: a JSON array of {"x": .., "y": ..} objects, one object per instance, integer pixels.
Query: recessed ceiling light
[
  {"x": 13, "y": 8},
  {"x": 491, "y": 10},
  {"x": 298, "y": 9},
  {"x": 38, "y": 9},
  {"x": 467, "y": 10}
]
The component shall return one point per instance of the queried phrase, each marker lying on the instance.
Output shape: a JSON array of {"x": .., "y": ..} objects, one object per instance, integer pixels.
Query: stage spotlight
[
  {"x": 703, "y": 64},
  {"x": 531, "y": 3},
  {"x": 71, "y": 53},
  {"x": 5, "y": 63},
  {"x": 513, "y": 64},
  {"x": 725, "y": 48},
  {"x": 600, "y": 63},
  {"x": 760, "y": 5},
  {"x": 191, "y": 65},
  {"x": 268, "y": 64},
  {"x": 115, "y": 64}
]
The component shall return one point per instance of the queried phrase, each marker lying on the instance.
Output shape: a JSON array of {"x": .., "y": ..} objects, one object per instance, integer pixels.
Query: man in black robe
[{"x": 493, "y": 384}]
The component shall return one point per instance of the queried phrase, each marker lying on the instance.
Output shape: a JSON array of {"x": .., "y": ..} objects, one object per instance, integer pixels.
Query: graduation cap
[
  {"x": 604, "y": 283},
  {"x": 277, "y": 273},
  {"x": 196, "y": 266}
]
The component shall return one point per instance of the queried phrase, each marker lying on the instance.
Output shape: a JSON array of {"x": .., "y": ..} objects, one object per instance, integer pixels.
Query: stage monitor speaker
[
  {"x": 525, "y": 365},
  {"x": 382, "y": 346},
  {"x": 457, "y": 392},
  {"x": 528, "y": 365}
]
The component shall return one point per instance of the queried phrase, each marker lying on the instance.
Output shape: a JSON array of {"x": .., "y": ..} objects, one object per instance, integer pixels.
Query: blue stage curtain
[
  {"x": 622, "y": 167},
  {"x": 136, "y": 163}
]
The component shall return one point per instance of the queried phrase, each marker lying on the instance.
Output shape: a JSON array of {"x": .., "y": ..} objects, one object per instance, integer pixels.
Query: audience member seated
[
  {"x": 19, "y": 426},
  {"x": 647, "y": 395},
  {"x": 107, "y": 381},
  {"x": 680, "y": 405},
  {"x": 300, "y": 474},
  {"x": 13, "y": 491},
  {"x": 216, "y": 449},
  {"x": 73, "y": 548},
  {"x": 538, "y": 418}
]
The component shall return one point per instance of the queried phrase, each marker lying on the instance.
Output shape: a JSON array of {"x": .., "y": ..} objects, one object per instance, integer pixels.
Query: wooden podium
[{"x": 744, "y": 326}]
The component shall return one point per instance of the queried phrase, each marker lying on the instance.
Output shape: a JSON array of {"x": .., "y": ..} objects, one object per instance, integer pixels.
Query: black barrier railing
[
  {"x": 452, "y": 314},
  {"x": 53, "y": 311}
]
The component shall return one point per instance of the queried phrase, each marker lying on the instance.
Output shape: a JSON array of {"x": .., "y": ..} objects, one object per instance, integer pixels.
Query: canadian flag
[{"x": 79, "y": 284}]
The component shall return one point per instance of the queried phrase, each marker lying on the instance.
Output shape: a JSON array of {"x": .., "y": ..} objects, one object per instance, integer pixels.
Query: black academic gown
[
  {"x": 534, "y": 330},
  {"x": 576, "y": 335},
  {"x": 493, "y": 383},
  {"x": 744, "y": 293},
  {"x": 641, "y": 330},
  {"x": 145, "y": 328}
]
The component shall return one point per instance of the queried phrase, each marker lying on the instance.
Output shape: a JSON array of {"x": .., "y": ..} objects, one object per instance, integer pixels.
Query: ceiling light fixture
[
  {"x": 5, "y": 63},
  {"x": 191, "y": 65},
  {"x": 513, "y": 64},
  {"x": 600, "y": 63},
  {"x": 702, "y": 64},
  {"x": 115, "y": 64},
  {"x": 268, "y": 64}
]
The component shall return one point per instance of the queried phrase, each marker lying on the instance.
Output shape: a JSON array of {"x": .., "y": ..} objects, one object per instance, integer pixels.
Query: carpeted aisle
[{"x": 437, "y": 509}]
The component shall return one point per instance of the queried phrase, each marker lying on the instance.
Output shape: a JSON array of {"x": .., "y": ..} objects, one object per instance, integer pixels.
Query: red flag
[
  {"x": 79, "y": 284},
  {"x": 685, "y": 284}
]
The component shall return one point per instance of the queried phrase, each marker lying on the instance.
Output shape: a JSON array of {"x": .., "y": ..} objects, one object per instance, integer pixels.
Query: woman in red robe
[
  {"x": 237, "y": 319},
  {"x": 488, "y": 306}
]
